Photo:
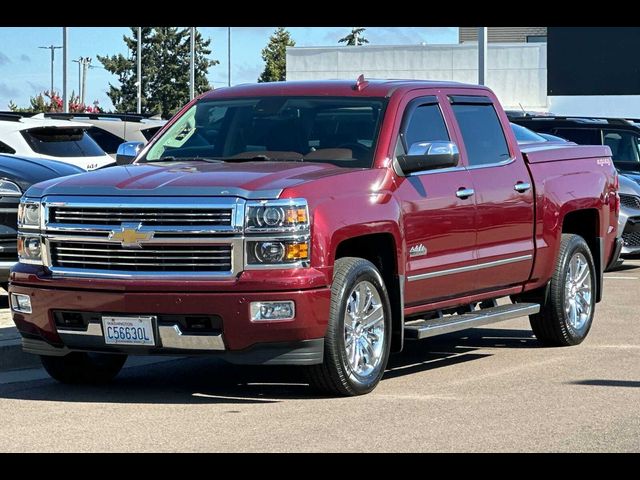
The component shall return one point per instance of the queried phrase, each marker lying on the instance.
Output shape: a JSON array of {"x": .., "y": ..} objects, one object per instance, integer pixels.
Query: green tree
[
  {"x": 52, "y": 102},
  {"x": 124, "y": 97},
  {"x": 165, "y": 70},
  {"x": 355, "y": 38},
  {"x": 275, "y": 56}
]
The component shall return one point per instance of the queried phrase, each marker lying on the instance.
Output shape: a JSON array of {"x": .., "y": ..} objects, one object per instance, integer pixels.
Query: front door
[{"x": 439, "y": 225}]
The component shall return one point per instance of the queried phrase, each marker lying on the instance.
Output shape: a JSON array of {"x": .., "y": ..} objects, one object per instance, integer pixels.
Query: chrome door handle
[
  {"x": 522, "y": 187},
  {"x": 464, "y": 192}
]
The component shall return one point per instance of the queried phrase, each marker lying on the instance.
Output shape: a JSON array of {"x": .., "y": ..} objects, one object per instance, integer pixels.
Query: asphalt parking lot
[{"x": 487, "y": 389}]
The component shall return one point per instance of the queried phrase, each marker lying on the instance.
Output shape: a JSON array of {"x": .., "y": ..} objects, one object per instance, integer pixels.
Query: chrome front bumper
[{"x": 171, "y": 337}]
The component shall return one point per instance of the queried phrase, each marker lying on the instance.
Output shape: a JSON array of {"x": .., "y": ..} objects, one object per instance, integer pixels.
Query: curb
[{"x": 11, "y": 355}]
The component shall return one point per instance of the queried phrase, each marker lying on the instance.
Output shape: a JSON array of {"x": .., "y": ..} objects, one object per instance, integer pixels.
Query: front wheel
[
  {"x": 567, "y": 313},
  {"x": 82, "y": 367},
  {"x": 357, "y": 343}
]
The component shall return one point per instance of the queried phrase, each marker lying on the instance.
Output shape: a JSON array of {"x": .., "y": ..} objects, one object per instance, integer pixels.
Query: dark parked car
[{"x": 17, "y": 174}]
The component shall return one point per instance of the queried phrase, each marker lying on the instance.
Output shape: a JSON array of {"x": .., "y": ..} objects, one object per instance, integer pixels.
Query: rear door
[
  {"x": 503, "y": 193},
  {"x": 439, "y": 226}
]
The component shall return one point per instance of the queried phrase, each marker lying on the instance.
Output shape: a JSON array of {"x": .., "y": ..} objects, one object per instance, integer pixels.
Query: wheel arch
[{"x": 381, "y": 249}]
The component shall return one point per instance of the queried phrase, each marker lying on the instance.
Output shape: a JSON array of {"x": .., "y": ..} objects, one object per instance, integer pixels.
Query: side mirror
[
  {"x": 127, "y": 152},
  {"x": 429, "y": 156}
]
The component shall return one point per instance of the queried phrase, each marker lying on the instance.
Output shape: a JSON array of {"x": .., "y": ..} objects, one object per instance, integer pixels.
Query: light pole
[
  {"x": 482, "y": 55},
  {"x": 229, "y": 56},
  {"x": 86, "y": 62},
  {"x": 79, "y": 62},
  {"x": 53, "y": 57},
  {"x": 192, "y": 63},
  {"x": 65, "y": 98}
]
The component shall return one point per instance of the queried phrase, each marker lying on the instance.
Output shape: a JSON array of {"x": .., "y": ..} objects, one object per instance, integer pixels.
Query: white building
[{"x": 517, "y": 72}]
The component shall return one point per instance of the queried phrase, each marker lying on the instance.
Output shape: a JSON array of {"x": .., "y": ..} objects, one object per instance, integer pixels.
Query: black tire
[
  {"x": 335, "y": 376},
  {"x": 81, "y": 367},
  {"x": 552, "y": 326}
]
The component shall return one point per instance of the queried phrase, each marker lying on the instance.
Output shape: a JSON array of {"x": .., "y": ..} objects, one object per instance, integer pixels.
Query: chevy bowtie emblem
[{"x": 130, "y": 235}]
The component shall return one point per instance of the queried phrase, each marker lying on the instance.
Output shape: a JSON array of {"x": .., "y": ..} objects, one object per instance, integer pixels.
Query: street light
[{"x": 53, "y": 57}]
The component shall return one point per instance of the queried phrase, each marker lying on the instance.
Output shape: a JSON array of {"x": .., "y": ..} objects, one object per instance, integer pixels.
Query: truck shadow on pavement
[{"x": 206, "y": 380}]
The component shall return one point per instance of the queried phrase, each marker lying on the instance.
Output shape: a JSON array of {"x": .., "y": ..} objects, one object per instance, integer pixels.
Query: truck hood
[{"x": 251, "y": 180}]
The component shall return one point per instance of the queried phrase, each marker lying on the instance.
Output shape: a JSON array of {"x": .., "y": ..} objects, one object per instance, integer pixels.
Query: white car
[{"x": 60, "y": 140}]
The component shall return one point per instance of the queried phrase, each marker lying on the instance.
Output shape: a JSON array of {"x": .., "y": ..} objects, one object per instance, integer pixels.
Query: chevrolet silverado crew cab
[{"x": 320, "y": 224}]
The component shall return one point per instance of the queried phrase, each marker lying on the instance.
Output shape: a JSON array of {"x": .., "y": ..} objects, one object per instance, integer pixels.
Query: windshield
[{"x": 341, "y": 131}]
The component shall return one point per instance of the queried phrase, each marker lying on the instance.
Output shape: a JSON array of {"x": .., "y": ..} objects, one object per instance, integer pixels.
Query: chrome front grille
[
  {"x": 630, "y": 201},
  {"x": 156, "y": 258},
  {"x": 146, "y": 216},
  {"x": 146, "y": 237}
]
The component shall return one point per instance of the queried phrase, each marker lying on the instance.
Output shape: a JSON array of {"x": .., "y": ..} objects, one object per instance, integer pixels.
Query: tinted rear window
[
  {"x": 62, "y": 142},
  {"x": 582, "y": 136},
  {"x": 150, "y": 132},
  {"x": 482, "y": 134},
  {"x": 4, "y": 148}
]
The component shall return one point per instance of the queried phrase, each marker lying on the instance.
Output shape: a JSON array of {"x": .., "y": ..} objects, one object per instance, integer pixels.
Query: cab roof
[{"x": 338, "y": 88}]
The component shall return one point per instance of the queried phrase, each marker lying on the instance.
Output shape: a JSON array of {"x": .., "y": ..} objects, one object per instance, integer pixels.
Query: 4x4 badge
[{"x": 418, "y": 250}]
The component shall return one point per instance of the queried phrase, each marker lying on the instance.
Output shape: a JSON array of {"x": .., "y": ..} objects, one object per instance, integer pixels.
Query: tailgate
[{"x": 556, "y": 153}]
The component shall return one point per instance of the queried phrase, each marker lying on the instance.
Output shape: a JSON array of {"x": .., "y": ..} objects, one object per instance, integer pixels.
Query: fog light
[
  {"x": 20, "y": 303},
  {"x": 272, "y": 310}
]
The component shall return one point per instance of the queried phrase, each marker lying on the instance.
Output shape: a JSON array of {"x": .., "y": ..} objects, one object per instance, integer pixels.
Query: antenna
[{"x": 361, "y": 83}]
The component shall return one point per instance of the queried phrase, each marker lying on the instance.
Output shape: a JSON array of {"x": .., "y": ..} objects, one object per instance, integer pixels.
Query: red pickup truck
[{"x": 314, "y": 223}]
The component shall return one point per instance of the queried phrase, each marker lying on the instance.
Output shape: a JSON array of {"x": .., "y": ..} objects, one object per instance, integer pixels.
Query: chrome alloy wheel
[
  {"x": 364, "y": 329},
  {"x": 577, "y": 291}
]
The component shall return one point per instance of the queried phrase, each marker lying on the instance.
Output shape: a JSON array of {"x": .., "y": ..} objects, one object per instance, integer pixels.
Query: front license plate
[{"x": 128, "y": 330}]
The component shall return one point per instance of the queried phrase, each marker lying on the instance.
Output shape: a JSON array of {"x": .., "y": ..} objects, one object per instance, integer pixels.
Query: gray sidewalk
[{"x": 11, "y": 355}]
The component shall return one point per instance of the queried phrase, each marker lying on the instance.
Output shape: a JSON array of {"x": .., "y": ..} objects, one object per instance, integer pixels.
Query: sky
[{"x": 25, "y": 69}]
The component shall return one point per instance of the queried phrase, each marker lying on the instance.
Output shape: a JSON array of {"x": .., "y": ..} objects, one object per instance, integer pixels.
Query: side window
[
  {"x": 623, "y": 145},
  {"x": 107, "y": 140},
  {"x": 581, "y": 136},
  {"x": 4, "y": 148},
  {"x": 426, "y": 124},
  {"x": 481, "y": 132}
]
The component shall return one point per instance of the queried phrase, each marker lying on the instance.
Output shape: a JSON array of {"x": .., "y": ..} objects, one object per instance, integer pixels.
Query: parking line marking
[{"x": 621, "y": 278}]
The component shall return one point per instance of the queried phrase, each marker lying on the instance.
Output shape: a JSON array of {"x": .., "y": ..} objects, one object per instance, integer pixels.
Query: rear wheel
[
  {"x": 82, "y": 367},
  {"x": 357, "y": 343},
  {"x": 567, "y": 312}
]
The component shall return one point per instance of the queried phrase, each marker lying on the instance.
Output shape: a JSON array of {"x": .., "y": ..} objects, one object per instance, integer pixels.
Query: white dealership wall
[
  {"x": 517, "y": 72},
  {"x": 626, "y": 106}
]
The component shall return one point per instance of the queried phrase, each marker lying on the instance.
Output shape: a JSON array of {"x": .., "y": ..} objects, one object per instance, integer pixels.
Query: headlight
[
  {"x": 29, "y": 214},
  {"x": 30, "y": 249},
  {"x": 278, "y": 216},
  {"x": 277, "y": 234},
  {"x": 9, "y": 189},
  {"x": 277, "y": 252}
]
